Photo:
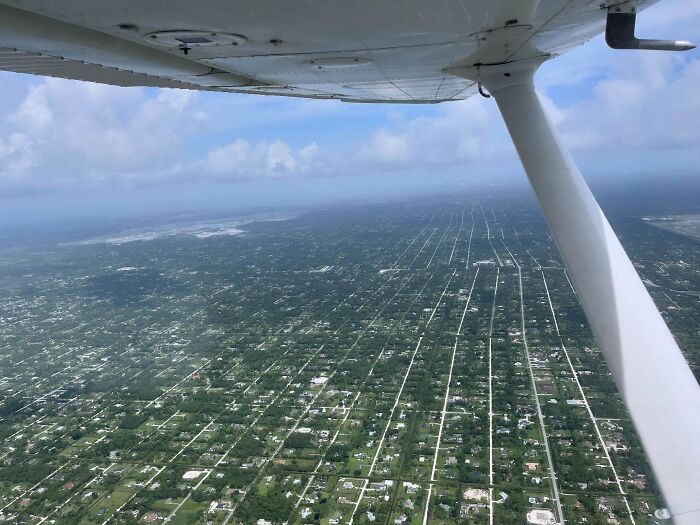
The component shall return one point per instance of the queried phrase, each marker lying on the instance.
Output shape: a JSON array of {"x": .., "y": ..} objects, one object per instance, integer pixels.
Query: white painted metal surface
[
  {"x": 402, "y": 46},
  {"x": 649, "y": 369}
]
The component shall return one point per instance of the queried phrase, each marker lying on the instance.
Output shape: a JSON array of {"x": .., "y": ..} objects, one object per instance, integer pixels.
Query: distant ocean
[{"x": 181, "y": 226}]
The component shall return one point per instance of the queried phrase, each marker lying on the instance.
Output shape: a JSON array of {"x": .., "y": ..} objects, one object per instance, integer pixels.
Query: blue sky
[{"x": 77, "y": 148}]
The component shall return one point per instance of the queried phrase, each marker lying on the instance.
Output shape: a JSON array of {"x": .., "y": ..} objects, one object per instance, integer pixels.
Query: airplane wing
[{"x": 360, "y": 51}]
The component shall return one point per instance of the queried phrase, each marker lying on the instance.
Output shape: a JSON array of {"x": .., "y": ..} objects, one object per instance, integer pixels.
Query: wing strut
[{"x": 656, "y": 383}]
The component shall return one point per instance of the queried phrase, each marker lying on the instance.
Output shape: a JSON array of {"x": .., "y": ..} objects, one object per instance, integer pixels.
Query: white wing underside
[{"x": 362, "y": 50}]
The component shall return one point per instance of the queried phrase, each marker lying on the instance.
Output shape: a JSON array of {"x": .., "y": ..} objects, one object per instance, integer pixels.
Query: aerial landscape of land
[{"x": 405, "y": 363}]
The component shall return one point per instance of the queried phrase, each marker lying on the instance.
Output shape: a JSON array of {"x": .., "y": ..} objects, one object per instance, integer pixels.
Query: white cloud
[
  {"x": 67, "y": 134},
  {"x": 461, "y": 132},
  {"x": 242, "y": 160},
  {"x": 655, "y": 107},
  {"x": 64, "y": 134},
  {"x": 34, "y": 114}
]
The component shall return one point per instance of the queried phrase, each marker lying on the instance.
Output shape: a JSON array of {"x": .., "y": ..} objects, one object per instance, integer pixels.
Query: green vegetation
[{"x": 298, "y": 373}]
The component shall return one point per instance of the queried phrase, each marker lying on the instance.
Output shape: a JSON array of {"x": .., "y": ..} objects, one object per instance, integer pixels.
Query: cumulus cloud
[
  {"x": 34, "y": 114},
  {"x": 460, "y": 132},
  {"x": 654, "y": 107},
  {"x": 242, "y": 160},
  {"x": 66, "y": 134}
]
